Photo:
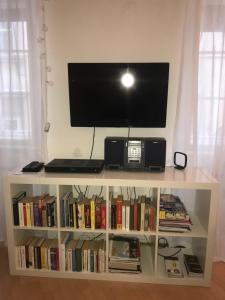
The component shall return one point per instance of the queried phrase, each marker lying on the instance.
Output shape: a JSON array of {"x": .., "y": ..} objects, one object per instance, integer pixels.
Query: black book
[
  {"x": 192, "y": 265},
  {"x": 78, "y": 254},
  {"x": 15, "y": 200},
  {"x": 113, "y": 215}
]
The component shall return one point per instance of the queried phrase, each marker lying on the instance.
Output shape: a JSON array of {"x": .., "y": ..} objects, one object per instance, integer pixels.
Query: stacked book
[
  {"x": 124, "y": 255},
  {"x": 136, "y": 214},
  {"x": 83, "y": 212},
  {"x": 192, "y": 265},
  {"x": 34, "y": 211},
  {"x": 173, "y": 215},
  {"x": 173, "y": 268}
]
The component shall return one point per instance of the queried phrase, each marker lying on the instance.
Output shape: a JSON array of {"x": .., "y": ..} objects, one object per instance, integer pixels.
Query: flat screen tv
[{"x": 118, "y": 94}]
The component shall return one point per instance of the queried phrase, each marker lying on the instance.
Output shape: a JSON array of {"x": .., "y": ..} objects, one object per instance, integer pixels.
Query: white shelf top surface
[{"x": 171, "y": 176}]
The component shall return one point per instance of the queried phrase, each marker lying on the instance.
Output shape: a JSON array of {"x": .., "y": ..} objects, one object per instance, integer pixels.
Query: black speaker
[
  {"x": 155, "y": 154},
  {"x": 114, "y": 152}
]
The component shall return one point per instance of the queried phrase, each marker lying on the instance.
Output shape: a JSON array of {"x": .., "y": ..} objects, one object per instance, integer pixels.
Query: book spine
[
  {"x": 16, "y": 214},
  {"x": 127, "y": 217},
  {"x": 135, "y": 216},
  {"x": 24, "y": 214},
  {"x": 132, "y": 217},
  {"x": 142, "y": 216},
  {"x": 92, "y": 202},
  {"x": 79, "y": 215},
  {"x": 82, "y": 216},
  {"x": 119, "y": 214},
  {"x": 28, "y": 204},
  {"x": 123, "y": 217},
  {"x": 113, "y": 216},
  {"x": 75, "y": 215},
  {"x": 21, "y": 214},
  {"x": 71, "y": 215},
  {"x": 103, "y": 216},
  {"x": 87, "y": 215},
  {"x": 98, "y": 220}
]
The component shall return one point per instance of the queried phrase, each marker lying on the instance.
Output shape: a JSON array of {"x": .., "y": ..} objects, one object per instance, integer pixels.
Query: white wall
[{"x": 108, "y": 31}]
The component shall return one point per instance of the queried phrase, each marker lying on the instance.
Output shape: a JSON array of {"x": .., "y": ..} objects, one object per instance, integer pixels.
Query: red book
[
  {"x": 119, "y": 204},
  {"x": 24, "y": 214},
  {"x": 103, "y": 215}
]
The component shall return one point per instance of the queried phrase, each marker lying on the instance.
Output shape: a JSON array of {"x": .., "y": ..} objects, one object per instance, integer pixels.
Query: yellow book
[
  {"x": 162, "y": 214},
  {"x": 93, "y": 213}
]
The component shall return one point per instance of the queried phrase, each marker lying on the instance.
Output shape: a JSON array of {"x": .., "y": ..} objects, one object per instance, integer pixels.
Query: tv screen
[{"x": 118, "y": 94}]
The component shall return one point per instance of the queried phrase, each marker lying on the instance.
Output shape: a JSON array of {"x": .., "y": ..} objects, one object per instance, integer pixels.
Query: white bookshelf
[{"x": 197, "y": 189}]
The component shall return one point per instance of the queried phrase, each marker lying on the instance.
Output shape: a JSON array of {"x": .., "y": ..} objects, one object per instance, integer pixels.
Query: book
[
  {"x": 15, "y": 199},
  {"x": 192, "y": 265},
  {"x": 173, "y": 268}
]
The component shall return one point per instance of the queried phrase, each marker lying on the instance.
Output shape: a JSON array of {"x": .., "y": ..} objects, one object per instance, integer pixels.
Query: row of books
[
  {"x": 83, "y": 255},
  {"x": 124, "y": 255},
  {"x": 136, "y": 214},
  {"x": 38, "y": 253},
  {"x": 34, "y": 211},
  {"x": 173, "y": 215},
  {"x": 191, "y": 262},
  {"x": 83, "y": 212}
]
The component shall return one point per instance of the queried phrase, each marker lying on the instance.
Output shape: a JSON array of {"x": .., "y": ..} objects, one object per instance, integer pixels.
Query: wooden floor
[{"x": 32, "y": 288}]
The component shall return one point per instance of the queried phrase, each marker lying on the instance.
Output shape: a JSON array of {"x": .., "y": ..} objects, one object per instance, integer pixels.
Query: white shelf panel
[
  {"x": 38, "y": 228},
  {"x": 131, "y": 232},
  {"x": 87, "y": 230}
]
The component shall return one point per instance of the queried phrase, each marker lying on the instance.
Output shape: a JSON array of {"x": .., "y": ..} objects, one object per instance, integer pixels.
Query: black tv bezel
[{"x": 96, "y": 124}]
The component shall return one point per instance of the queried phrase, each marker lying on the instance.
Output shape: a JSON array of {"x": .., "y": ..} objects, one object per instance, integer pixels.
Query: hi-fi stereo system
[{"x": 145, "y": 154}]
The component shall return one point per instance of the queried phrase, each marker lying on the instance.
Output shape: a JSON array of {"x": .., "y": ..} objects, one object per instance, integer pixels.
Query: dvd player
[{"x": 75, "y": 166}]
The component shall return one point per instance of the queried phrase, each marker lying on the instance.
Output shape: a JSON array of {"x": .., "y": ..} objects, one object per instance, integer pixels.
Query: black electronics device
[
  {"x": 75, "y": 166},
  {"x": 99, "y": 98},
  {"x": 145, "y": 154},
  {"x": 182, "y": 157},
  {"x": 34, "y": 166}
]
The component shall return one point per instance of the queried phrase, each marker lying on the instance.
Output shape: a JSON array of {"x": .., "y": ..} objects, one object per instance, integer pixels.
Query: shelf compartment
[
  {"x": 82, "y": 207},
  {"x": 132, "y": 209},
  {"x": 83, "y": 252},
  {"x": 193, "y": 246},
  {"x": 36, "y": 250}
]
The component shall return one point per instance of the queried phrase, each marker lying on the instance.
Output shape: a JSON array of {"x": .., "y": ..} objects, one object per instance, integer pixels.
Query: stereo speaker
[
  {"x": 155, "y": 154},
  {"x": 114, "y": 152}
]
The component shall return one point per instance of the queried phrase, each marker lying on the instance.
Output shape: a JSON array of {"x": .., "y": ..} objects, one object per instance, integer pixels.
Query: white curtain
[
  {"x": 200, "y": 124},
  {"x": 22, "y": 107}
]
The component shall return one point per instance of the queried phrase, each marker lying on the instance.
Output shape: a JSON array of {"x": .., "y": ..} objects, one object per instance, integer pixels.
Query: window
[
  {"x": 211, "y": 87},
  {"x": 14, "y": 81}
]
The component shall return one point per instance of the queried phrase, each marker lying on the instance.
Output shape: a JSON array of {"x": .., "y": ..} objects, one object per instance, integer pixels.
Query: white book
[
  {"x": 127, "y": 226},
  {"x": 21, "y": 219},
  {"x": 23, "y": 257},
  {"x": 65, "y": 239},
  {"x": 123, "y": 217},
  {"x": 18, "y": 257}
]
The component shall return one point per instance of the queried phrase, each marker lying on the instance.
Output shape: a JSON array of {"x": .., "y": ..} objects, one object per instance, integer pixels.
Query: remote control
[{"x": 34, "y": 166}]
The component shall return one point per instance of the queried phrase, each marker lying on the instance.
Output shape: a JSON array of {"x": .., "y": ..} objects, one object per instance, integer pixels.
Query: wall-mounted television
[{"x": 118, "y": 94}]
